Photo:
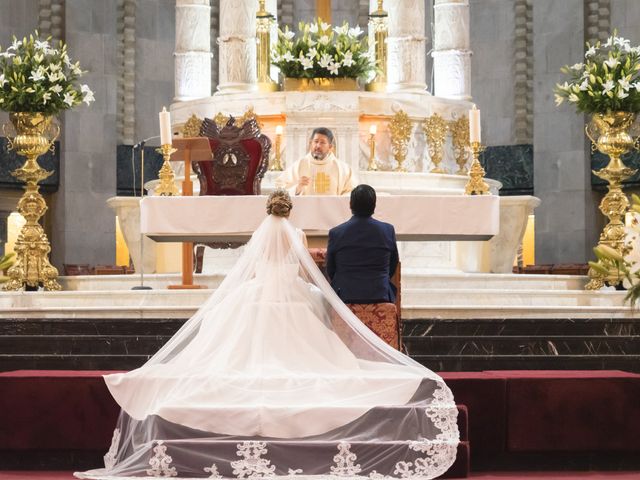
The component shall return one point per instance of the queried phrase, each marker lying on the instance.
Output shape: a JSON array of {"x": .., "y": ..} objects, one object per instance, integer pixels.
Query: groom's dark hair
[
  {"x": 363, "y": 200},
  {"x": 323, "y": 131}
]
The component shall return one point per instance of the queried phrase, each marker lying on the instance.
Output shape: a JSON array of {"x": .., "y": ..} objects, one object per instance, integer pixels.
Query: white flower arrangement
[
  {"x": 608, "y": 80},
  {"x": 36, "y": 77},
  {"x": 319, "y": 50}
]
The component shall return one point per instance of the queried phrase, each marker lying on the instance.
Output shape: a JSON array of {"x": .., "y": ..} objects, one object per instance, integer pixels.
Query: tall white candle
[
  {"x": 474, "y": 125},
  {"x": 373, "y": 129},
  {"x": 279, "y": 130},
  {"x": 165, "y": 127}
]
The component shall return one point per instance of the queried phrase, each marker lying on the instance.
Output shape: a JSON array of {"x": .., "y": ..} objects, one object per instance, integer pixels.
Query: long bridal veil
[{"x": 274, "y": 376}]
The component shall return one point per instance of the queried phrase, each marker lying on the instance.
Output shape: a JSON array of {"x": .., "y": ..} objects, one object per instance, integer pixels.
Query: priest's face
[{"x": 320, "y": 146}]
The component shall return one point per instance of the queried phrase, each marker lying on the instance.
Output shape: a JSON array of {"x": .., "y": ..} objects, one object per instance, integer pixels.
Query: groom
[{"x": 362, "y": 254}]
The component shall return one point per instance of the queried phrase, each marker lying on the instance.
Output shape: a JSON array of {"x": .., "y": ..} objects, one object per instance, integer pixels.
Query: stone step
[
  {"x": 524, "y": 312},
  {"x": 522, "y": 345},
  {"x": 82, "y": 344},
  {"x": 512, "y": 297},
  {"x": 90, "y": 326},
  {"x": 9, "y": 362},
  {"x": 557, "y": 326},
  {"x": 476, "y": 363},
  {"x": 492, "y": 281}
]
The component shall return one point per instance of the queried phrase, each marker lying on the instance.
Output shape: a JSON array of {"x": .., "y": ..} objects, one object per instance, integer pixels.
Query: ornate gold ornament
[
  {"x": 460, "y": 139},
  {"x": 610, "y": 134},
  {"x": 379, "y": 24},
  {"x": 167, "y": 185},
  {"x": 191, "y": 128},
  {"x": 476, "y": 184},
  {"x": 435, "y": 129},
  {"x": 400, "y": 128},
  {"x": 264, "y": 21},
  {"x": 34, "y": 134},
  {"x": 221, "y": 119}
]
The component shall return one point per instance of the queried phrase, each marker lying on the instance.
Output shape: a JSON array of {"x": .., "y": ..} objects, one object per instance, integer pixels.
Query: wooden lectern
[{"x": 189, "y": 150}]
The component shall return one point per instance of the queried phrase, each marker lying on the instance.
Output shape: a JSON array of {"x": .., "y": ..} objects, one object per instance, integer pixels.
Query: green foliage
[
  {"x": 5, "y": 262},
  {"x": 608, "y": 80},
  {"x": 36, "y": 77},
  {"x": 319, "y": 51}
]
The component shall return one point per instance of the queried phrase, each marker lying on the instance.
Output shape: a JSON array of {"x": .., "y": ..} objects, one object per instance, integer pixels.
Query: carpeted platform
[{"x": 530, "y": 420}]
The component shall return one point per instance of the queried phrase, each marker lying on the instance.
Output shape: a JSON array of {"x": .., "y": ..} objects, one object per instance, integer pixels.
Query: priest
[{"x": 319, "y": 172}]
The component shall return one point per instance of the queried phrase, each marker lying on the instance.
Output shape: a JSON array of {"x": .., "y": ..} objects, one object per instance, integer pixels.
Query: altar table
[{"x": 235, "y": 218}]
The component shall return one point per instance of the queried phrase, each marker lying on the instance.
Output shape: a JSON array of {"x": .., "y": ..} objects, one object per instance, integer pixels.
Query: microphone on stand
[{"x": 140, "y": 145}]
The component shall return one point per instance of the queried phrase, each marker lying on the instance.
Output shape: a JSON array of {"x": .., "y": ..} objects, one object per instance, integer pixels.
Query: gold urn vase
[
  {"x": 319, "y": 84},
  {"x": 33, "y": 134},
  {"x": 611, "y": 134}
]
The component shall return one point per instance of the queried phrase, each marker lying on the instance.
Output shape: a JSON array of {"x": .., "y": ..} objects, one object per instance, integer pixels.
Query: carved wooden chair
[{"x": 240, "y": 160}]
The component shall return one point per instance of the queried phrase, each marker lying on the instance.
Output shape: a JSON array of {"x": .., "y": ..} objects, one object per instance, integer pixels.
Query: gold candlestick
[
  {"x": 378, "y": 24},
  {"x": 476, "y": 184},
  {"x": 264, "y": 20},
  {"x": 276, "y": 165},
  {"x": 167, "y": 177},
  {"x": 373, "y": 166},
  {"x": 34, "y": 135}
]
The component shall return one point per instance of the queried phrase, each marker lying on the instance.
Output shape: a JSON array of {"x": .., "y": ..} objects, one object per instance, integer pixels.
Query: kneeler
[{"x": 381, "y": 318}]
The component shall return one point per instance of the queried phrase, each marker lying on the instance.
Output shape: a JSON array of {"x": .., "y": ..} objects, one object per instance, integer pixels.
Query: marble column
[
  {"x": 406, "y": 54},
  {"x": 451, "y": 53},
  {"x": 237, "y": 44},
  {"x": 193, "y": 50}
]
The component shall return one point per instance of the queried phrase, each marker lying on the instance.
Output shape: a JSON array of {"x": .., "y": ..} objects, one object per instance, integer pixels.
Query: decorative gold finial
[
  {"x": 476, "y": 184},
  {"x": 191, "y": 128},
  {"x": 435, "y": 129},
  {"x": 167, "y": 185},
  {"x": 400, "y": 128},
  {"x": 221, "y": 119},
  {"x": 276, "y": 166},
  {"x": 264, "y": 21}
]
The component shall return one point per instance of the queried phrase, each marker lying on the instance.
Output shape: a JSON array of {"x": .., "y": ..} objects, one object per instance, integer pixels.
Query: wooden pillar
[{"x": 323, "y": 10}]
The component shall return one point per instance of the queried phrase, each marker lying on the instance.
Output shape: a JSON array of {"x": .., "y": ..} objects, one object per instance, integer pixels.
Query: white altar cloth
[{"x": 233, "y": 218}]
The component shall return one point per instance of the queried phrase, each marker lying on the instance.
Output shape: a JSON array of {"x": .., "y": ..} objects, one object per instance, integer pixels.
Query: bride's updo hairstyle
[{"x": 279, "y": 203}]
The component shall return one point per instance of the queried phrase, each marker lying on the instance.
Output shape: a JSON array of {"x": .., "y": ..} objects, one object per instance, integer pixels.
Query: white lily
[
  {"x": 333, "y": 68},
  {"x": 306, "y": 62},
  {"x": 323, "y": 40},
  {"x": 37, "y": 75},
  {"x": 40, "y": 45},
  {"x": 584, "y": 85},
  {"x": 288, "y": 57},
  {"x": 573, "y": 98},
  {"x": 69, "y": 98},
  {"x": 325, "y": 60},
  {"x": 356, "y": 31},
  {"x": 347, "y": 61},
  {"x": 591, "y": 52},
  {"x": 608, "y": 86},
  {"x": 325, "y": 26},
  {"x": 56, "y": 89},
  {"x": 46, "y": 97},
  {"x": 289, "y": 34},
  {"x": 577, "y": 66},
  {"x": 313, "y": 28},
  {"x": 88, "y": 96},
  {"x": 312, "y": 52},
  {"x": 559, "y": 100},
  {"x": 621, "y": 93},
  {"x": 624, "y": 83},
  {"x": 341, "y": 30},
  {"x": 612, "y": 63}
]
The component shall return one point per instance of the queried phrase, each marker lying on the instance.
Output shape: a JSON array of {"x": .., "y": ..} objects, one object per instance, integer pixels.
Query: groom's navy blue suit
[{"x": 362, "y": 255}]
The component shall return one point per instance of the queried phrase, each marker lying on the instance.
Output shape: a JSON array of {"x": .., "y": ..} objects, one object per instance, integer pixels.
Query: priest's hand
[{"x": 303, "y": 182}]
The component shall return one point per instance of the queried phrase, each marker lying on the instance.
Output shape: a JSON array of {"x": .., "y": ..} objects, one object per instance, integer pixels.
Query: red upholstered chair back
[{"x": 240, "y": 158}]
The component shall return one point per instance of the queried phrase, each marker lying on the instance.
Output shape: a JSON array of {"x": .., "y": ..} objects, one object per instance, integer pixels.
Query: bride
[{"x": 274, "y": 376}]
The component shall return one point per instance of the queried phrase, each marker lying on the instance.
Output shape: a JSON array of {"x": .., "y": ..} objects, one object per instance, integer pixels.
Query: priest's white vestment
[{"x": 329, "y": 176}]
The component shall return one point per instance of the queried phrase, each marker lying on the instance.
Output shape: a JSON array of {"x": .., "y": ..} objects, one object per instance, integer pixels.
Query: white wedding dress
[{"x": 272, "y": 373}]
